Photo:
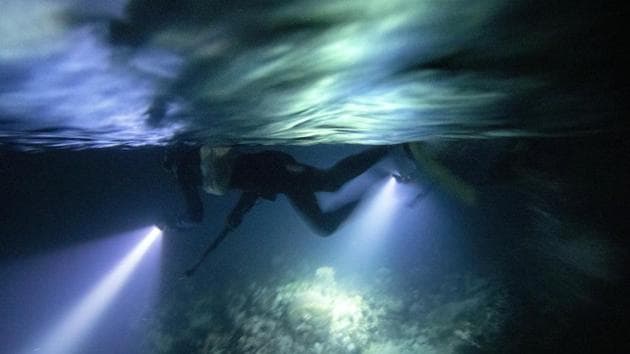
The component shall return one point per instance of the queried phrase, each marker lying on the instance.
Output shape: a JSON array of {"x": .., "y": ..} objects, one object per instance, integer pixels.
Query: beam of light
[
  {"x": 365, "y": 232},
  {"x": 375, "y": 217},
  {"x": 67, "y": 335}
]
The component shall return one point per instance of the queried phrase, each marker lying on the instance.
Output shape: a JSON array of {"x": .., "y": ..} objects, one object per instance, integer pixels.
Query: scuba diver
[{"x": 263, "y": 175}]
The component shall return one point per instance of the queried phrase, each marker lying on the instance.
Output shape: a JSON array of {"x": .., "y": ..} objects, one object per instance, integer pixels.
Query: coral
[{"x": 317, "y": 313}]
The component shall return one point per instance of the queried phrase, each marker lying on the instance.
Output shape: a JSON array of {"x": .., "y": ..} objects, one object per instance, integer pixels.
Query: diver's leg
[
  {"x": 324, "y": 224},
  {"x": 349, "y": 168}
]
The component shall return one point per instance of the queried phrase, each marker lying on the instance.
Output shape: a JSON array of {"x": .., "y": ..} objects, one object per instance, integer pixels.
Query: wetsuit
[{"x": 268, "y": 173}]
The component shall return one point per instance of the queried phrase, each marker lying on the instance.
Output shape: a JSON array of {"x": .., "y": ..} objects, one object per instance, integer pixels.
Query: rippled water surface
[{"x": 83, "y": 73}]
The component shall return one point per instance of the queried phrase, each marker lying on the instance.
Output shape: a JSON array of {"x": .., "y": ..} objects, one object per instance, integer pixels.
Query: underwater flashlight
[{"x": 66, "y": 336}]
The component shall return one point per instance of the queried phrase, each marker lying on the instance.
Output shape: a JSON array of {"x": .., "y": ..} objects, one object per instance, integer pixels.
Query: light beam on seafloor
[{"x": 66, "y": 336}]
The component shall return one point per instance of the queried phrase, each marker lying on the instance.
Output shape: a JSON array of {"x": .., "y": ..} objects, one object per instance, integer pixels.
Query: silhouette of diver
[{"x": 264, "y": 175}]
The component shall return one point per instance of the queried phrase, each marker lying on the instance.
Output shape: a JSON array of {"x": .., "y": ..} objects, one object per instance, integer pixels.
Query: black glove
[
  {"x": 184, "y": 223},
  {"x": 179, "y": 223}
]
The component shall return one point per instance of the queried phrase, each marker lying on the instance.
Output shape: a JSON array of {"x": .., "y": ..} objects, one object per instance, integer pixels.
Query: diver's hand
[
  {"x": 184, "y": 223},
  {"x": 166, "y": 224},
  {"x": 163, "y": 226},
  {"x": 179, "y": 223}
]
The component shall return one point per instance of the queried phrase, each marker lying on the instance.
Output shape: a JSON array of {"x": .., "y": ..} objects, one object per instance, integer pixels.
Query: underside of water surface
[{"x": 304, "y": 72}]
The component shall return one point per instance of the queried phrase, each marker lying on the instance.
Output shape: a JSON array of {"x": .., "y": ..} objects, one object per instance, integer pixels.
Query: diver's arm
[{"x": 245, "y": 203}]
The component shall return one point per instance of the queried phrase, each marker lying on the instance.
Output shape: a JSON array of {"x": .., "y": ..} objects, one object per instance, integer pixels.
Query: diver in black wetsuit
[{"x": 264, "y": 175}]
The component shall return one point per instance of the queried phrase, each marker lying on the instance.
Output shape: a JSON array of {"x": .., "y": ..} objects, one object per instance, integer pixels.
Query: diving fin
[{"x": 440, "y": 175}]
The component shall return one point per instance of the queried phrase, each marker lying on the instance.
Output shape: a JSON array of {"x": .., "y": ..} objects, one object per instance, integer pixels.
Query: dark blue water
[
  {"x": 536, "y": 258},
  {"x": 509, "y": 238}
]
